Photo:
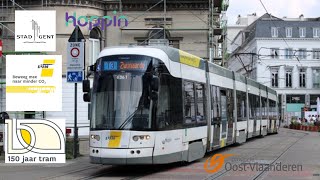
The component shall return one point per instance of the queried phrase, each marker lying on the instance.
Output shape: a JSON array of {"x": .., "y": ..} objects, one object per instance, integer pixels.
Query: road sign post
[{"x": 75, "y": 67}]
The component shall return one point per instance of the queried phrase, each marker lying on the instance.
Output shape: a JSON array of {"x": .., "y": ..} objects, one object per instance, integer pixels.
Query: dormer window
[
  {"x": 289, "y": 32},
  {"x": 274, "y": 31},
  {"x": 302, "y": 32}
]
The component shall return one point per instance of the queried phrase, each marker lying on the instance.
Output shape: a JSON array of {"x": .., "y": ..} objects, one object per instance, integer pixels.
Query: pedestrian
[{"x": 299, "y": 121}]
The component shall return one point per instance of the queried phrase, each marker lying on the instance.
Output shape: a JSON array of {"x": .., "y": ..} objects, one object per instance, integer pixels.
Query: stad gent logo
[
  {"x": 34, "y": 141},
  {"x": 215, "y": 163}
]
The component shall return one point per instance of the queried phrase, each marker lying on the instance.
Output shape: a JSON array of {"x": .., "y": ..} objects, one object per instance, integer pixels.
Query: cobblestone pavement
[{"x": 292, "y": 148}]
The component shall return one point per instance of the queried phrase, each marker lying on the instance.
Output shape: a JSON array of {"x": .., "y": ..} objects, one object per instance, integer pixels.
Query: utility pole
[{"x": 165, "y": 19}]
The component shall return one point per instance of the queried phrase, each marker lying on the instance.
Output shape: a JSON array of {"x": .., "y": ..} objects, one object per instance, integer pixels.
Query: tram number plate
[{"x": 121, "y": 76}]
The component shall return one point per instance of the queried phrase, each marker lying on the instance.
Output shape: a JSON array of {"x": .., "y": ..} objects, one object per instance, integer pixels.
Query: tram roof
[{"x": 168, "y": 53}]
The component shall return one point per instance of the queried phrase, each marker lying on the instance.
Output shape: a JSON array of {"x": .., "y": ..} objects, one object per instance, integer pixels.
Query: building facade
[
  {"x": 193, "y": 26},
  {"x": 283, "y": 54}
]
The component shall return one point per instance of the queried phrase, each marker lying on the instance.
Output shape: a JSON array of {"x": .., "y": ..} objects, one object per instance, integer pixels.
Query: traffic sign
[
  {"x": 75, "y": 57},
  {"x": 76, "y": 35},
  {"x": 74, "y": 76}
]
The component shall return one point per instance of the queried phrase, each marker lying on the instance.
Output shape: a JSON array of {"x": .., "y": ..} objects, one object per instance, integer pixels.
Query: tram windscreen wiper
[{"x": 129, "y": 119}]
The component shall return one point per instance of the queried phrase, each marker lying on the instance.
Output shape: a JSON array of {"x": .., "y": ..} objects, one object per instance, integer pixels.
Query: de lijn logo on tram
[
  {"x": 215, "y": 163},
  {"x": 34, "y": 141}
]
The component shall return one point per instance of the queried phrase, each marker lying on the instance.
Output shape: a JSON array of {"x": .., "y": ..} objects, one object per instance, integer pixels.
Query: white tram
[{"x": 156, "y": 105}]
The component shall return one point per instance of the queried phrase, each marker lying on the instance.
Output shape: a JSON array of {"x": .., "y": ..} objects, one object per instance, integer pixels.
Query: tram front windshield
[{"x": 120, "y": 95}]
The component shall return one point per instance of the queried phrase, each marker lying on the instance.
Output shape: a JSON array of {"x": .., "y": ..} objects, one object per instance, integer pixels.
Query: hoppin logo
[
  {"x": 215, "y": 163},
  {"x": 34, "y": 141},
  {"x": 96, "y": 21}
]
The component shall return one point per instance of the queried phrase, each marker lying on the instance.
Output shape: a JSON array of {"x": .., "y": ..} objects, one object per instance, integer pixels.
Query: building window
[
  {"x": 313, "y": 99},
  {"x": 302, "y": 78},
  {"x": 288, "y": 53},
  {"x": 296, "y": 98},
  {"x": 302, "y": 32},
  {"x": 302, "y": 53},
  {"x": 174, "y": 43},
  {"x": 316, "y": 78},
  {"x": 289, "y": 78},
  {"x": 274, "y": 78},
  {"x": 275, "y": 53},
  {"x": 94, "y": 45},
  {"x": 316, "y": 32},
  {"x": 316, "y": 53},
  {"x": 289, "y": 32},
  {"x": 274, "y": 32}
]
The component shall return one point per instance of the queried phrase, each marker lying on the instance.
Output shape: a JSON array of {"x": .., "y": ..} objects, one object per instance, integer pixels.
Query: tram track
[
  {"x": 138, "y": 172},
  {"x": 286, "y": 150},
  {"x": 224, "y": 172},
  {"x": 71, "y": 172}
]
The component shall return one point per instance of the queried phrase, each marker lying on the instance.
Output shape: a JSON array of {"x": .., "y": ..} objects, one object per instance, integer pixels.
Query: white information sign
[{"x": 75, "y": 56}]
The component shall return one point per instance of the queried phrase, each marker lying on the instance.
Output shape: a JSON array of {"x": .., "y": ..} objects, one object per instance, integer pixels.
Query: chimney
[{"x": 301, "y": 17}]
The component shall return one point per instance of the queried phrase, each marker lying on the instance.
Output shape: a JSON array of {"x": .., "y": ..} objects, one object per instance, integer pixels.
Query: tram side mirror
[
  {"x": 86, "y": 97},
  {"x": 92, "y": 68},
  {"x": 154, "y": 96},
  {"x": 155, "y": 84},
  {"x": 86, "y": 85},
  {"x": 3, "y": 117}
]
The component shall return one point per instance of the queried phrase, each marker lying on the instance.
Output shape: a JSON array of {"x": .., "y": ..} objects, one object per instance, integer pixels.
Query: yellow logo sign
[
  {"x": 114, "y": 139},
  {"x": 34, "y": 141},
  {"x": 46, "y": 71},
  {"x": 189, "y": 59},
  {"x": 215, "y": 163}
]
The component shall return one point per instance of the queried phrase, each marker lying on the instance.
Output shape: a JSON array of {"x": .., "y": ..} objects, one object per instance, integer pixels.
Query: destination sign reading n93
[{"x": 75, "y": 61}]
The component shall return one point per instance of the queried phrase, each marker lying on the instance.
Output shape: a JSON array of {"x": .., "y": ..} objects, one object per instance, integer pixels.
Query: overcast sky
[{"x": 279, "y": 8}]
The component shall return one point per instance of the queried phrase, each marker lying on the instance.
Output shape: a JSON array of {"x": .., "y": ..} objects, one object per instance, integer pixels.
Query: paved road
[{"x": 288, "y": 147}]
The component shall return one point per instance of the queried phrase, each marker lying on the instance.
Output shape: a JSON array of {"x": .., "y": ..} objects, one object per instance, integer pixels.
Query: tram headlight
[
  {"x": 141, "y": 137},
  {"x": 147, "y": 137},
  {"x": 96, "y": 137},
  {"x": 135, "y": 138}
]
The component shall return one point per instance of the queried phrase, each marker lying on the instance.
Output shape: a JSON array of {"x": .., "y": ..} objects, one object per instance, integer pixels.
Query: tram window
[
  {"x": 273, "y": 111},
  {"x": 200, "y": 116},
  {"x": 230, "y": 105},
  {"x": 264, "y": 108},
  {"x": 169, "y": 108},
  {"x": 241, "y": 106},
  {"x": 216, "y": 104},
  {"x": 189, "y": 103},
  {"x": 254, "y": 106}
]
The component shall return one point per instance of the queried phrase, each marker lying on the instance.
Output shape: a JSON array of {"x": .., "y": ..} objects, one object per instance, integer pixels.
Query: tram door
[
  {"x": 230, "y": 107},
  {"x": 224, "y": 118},
  {"x": 216, "y": 116}
]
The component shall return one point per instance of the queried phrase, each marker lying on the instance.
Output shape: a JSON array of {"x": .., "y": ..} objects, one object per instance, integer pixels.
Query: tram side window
[
  {"x": 169, "y": 108},
  {"x": 254, "y": 106},
  {"x": 215, "y": 104},
  {"x": 241, "y": 106},
  {"x": 264, "y": 108},
  {"x": 189, "y": 103},
  {"x": 200, "y": 109},
  {"x": 273, "y": 111}
]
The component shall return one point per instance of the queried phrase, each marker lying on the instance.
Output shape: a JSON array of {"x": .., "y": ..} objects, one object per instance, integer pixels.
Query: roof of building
[{"x": 261, "y": 28}]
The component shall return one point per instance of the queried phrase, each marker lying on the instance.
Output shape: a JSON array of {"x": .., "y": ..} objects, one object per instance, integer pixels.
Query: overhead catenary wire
[{"x": 271, "y": 20}]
